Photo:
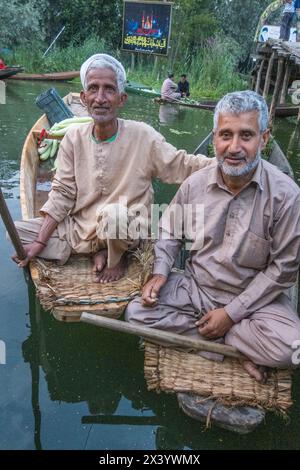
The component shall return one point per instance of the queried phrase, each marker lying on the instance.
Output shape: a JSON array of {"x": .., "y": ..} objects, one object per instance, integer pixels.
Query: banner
[
  {"x": 146, "y": 27},
  {"x": 273, "y": 32}
]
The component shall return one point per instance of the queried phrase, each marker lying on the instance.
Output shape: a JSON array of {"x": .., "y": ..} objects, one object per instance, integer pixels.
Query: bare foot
[
  {"x": 259, "y": 373},
  {"x": 100, "y": 261},
  {"x": 113, "y": 274}
]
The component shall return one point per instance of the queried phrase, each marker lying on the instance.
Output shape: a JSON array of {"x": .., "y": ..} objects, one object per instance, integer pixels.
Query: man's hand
[
  {"x": 215, "y": 324},
  {"x": 151, "y": 290},
  {"x": 32, "y": 249}
]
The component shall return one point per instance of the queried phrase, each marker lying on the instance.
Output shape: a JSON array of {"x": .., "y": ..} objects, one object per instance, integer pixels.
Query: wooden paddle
[
  {"x": 160, "y": 336},
  {"x": 11, "y": 229}
]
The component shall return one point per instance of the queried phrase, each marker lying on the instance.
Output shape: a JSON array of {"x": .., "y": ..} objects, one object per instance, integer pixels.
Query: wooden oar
[
  {"x": 161, "y": 336},
  {"x": 11, "y": 229}
]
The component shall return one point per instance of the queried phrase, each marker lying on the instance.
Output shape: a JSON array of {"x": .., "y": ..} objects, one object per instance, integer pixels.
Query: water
[{"x": 78, "y": 387}]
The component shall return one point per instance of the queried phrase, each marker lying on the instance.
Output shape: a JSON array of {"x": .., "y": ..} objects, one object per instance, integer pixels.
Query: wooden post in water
[
  {"x": 132, "y": 61},
  {"x": 298, "y": 25},
  {"x": 285, "y": 82},
  {"x": 259, "y": 75},
  {"x": 268, "y": 75},
  {"x": 276, "y": 93},
  {"x": 298, "y": 118},
  {"x": 11, "y": 229}
]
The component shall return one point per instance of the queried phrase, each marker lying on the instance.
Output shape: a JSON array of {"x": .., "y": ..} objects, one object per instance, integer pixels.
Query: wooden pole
[
  {"x": 285, "y": 82},
  {"x": 298, "y": 118},
  {"x": 259, "y": 75},
  {"x": 10, "y": 227},
  {"x": 276, "y": 91},
  {"x": 160, "y": 336},
  {"x": 298, "y": 25},
  {"x": 268, "y": 75},
  {"x": 132, "y": 61}
]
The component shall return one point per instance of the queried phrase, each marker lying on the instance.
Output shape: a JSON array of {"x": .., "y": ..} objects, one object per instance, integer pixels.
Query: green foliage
[
  {"x": 21, "y": 22},
  {"x": 209, "y": 39},
  {"x": 193, "y": 22},
  {"x": 58, "y": 59},
  {"x": 84, "y": 19},
  {"x": 71, "y": 57},
  {"x": 239, "y": 19},
  {"x": 212, "y": 71}
]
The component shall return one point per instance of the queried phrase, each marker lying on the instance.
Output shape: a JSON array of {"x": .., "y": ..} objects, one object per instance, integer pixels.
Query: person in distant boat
[
  {"x": 286, "y": 21},
  {"x": 104, "y": 179},
  {"x": 2, "y": 64},
  {"x": 184, "y": 86},
  {"x": 169, "y": 89},
  {"x": 242, "y": 259}
]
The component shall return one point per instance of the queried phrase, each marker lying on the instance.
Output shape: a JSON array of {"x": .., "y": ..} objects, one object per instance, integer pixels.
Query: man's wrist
[{"x": 40, "y": 242}]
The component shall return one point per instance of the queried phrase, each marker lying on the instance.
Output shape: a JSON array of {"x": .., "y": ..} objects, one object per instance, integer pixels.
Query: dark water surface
[{"x": 78, "y": 387}]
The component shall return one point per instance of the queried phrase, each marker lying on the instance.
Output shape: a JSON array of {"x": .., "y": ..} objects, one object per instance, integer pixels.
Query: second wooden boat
[
  {"x": 55, "y": 76},
  {"x": 9, "y": 72},
  {"x": 281, "y": 111}
]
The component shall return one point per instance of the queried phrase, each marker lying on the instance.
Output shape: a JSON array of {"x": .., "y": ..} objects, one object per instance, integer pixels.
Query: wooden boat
[
  {"x": 8, "y": 72},
  {"x": 140, "y": 89},
  {"x": 66, "y": 299},
  {"x": 281, "y": 111},
  {"x": 56, "y": 76},
  {"x": 34, "y": 187},
  {"x": 207, "y": 104}
]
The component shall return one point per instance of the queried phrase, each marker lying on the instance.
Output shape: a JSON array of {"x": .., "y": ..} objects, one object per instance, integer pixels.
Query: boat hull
[
  {"x": 9, "y": 72},
  {"x": 49, "y": 77}
]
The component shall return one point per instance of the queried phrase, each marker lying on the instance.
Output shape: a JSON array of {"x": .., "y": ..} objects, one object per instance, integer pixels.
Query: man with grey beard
[{"x": 234, "y": 287}]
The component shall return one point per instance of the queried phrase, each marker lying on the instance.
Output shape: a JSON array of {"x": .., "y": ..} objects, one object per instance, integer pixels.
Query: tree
[
  {"x": 21, "y": 22},
  {"x": 194, "y": 21},
  {"x": 239, "y": 19},
  {"x": 83, "y": 19}
]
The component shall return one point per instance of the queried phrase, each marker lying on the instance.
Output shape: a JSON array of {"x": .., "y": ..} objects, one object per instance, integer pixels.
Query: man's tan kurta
[
  {"x": 249, "y": 258},
  {"x": 91, "y": 175}
]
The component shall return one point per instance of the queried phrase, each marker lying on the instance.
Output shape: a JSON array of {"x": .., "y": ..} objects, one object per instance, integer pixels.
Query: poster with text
[{"x": 146, "y": 27}]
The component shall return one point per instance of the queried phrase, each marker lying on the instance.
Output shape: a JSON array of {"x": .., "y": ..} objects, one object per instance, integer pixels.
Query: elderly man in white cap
[{"x": 104, "y": 169}]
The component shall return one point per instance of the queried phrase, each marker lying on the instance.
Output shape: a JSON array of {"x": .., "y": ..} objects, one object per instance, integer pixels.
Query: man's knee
[
  {"x": 272, "y": 347},
  {"x": 133, "y": 309}
]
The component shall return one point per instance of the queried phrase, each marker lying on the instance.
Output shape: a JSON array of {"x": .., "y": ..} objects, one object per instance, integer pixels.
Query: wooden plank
[
  {"x": 161, "y": 336},
  {"x": 285, "y": 83},
  {"x": 268, "y": 75},
  {"x": 275, "y": 98},
  {"x": 259, "y": 75}
]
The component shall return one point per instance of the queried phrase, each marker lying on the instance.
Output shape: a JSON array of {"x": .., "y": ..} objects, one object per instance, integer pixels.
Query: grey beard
[{"x": 245, "y": 170}]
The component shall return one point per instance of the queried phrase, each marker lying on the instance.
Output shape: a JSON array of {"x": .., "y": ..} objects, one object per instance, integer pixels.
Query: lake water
[{"x": 74, "y": 386}]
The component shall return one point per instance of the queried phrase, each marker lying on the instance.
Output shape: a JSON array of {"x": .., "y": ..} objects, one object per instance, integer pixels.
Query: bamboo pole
[
  {"x": 298, "y": 25},
  {"x": 159, "y": 336},
  {"x": 285, "y": 82},
  {"x": 276, "y": 91},
  {"x": 268, "y": 75},
  {"x": 132, "y": 61},
  {"x": 259, "y": 75},
  {"x": 10, "y": 227}
]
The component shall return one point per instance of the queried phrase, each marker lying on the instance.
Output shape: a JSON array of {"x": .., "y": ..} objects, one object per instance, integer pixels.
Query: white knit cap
[{"x": 104, "y": 61}]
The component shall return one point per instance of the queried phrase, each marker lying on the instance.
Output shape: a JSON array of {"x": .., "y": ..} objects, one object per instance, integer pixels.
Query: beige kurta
[
  {"x": 91, "y": 175},
  {"x": 250, "y": 256},
  {"x": 169, "y": 91}
]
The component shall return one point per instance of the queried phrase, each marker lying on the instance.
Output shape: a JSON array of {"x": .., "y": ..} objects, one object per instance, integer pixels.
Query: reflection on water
[
  {"x": 168, "y": 113},
  {"x": 74, "y": 386}
]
